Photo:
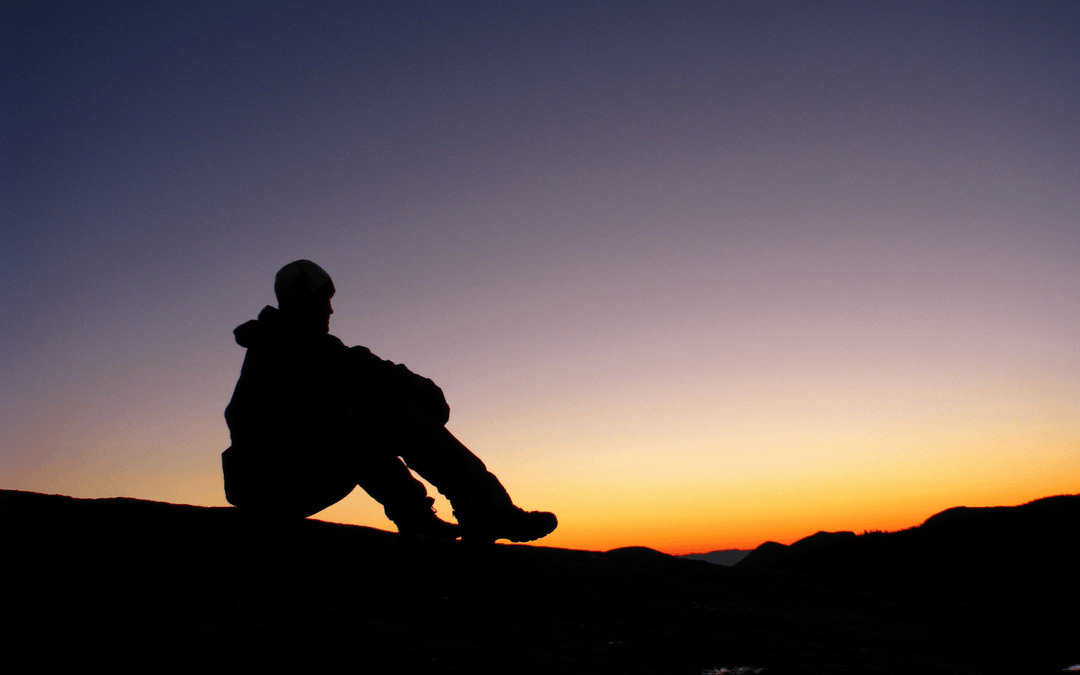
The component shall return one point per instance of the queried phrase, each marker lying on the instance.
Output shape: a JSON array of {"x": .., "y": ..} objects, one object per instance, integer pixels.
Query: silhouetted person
[{"x": 310, "y": 419}]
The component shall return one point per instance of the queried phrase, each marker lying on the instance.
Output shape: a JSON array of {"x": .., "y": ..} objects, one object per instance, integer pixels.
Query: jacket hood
[{"x": 253, "y": 332}]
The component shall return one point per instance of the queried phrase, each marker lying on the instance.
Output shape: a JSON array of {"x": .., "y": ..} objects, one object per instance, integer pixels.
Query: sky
[{"x": 692, "y": 275}]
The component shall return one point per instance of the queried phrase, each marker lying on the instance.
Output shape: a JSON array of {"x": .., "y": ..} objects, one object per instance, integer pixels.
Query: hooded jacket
[{"x": 300, "y": 387}]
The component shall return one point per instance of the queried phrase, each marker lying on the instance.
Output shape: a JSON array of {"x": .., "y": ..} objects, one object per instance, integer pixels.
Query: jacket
[{"x": 300, "y": 387}]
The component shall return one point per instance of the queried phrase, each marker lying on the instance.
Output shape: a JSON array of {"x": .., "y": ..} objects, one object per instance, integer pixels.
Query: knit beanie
[{"x": 302, "y": 281}]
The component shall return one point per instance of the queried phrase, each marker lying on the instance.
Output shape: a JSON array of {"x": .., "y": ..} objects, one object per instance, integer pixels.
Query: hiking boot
[{"x": 513, "y": 524}]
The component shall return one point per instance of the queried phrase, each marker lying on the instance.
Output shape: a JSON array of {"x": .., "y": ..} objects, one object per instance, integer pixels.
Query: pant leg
[
  {"x": 386, "y": 478},
  {"x": 430, "y": 450},
  {"x": 297, "y": 477}
]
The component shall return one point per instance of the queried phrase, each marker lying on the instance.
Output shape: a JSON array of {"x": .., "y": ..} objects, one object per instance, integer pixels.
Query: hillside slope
[{"x": 135, "y": 584}]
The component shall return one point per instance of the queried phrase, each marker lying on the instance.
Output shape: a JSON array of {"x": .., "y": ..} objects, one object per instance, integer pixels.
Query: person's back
[
  {"x": 289, "y": 402},
  {"x": 291, "y": 384}
]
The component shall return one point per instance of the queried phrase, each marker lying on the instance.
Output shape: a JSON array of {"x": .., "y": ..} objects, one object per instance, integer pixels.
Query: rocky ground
[{"x": 135, "y": 584}]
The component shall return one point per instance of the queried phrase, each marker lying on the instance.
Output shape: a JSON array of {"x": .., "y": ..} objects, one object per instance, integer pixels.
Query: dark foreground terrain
[{"x": 142, "y": 585}]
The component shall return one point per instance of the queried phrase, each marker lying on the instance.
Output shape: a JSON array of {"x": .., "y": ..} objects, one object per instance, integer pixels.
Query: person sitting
[{"x": 310, "y": 419}]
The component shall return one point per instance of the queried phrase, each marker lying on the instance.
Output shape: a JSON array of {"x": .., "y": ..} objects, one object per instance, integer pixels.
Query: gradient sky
[{"x": 693, "y": 275}]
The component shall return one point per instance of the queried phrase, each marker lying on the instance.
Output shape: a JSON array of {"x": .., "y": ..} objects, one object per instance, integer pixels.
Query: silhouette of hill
[
  {"x": 1013, "y": 549},
  {"x": 133, "y": 584}
]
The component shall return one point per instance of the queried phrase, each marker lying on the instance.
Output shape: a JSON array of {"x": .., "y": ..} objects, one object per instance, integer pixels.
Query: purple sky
[{"x": 667, "y": 259}]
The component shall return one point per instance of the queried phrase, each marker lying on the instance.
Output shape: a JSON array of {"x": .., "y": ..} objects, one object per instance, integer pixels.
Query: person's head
[{"x": 303, "y": 291}]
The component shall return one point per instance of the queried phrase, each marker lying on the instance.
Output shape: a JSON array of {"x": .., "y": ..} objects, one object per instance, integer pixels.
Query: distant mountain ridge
[
  {"x": 728, "y": 557},
  {"x": 1016, "y": 548}
]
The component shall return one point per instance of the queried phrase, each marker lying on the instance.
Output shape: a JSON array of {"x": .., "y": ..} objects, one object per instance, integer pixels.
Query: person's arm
[{"x": 395, "y": 377}]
